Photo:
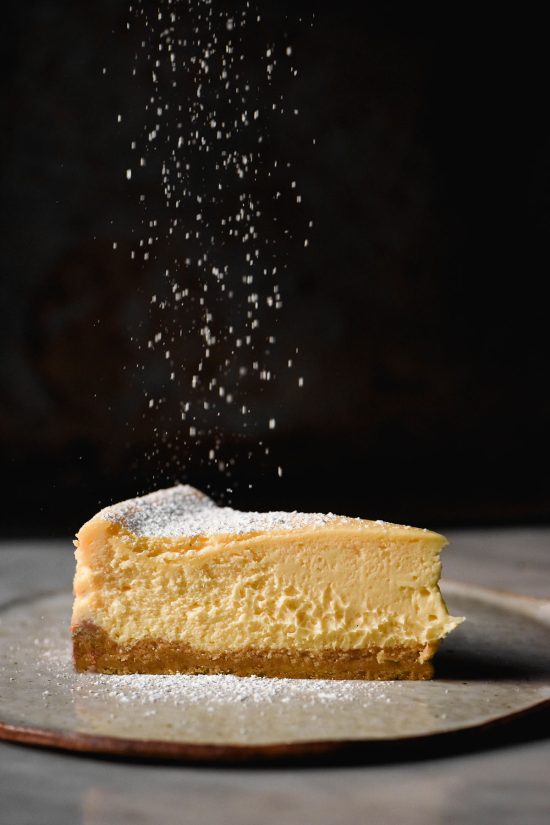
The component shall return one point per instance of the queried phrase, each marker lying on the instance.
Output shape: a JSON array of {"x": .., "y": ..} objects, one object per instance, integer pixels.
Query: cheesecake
[{"x": 171, "y": 583}]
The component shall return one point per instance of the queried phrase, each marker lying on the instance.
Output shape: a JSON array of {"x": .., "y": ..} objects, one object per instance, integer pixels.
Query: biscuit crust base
[{"x": 94, "y": 650}]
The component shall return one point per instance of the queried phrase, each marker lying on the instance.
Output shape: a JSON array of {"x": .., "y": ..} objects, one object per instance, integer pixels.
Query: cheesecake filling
[{"x": 340, "y": 587}]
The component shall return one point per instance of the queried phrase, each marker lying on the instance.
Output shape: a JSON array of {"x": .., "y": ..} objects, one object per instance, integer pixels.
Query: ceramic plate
[{"x": 494, "y": 666}]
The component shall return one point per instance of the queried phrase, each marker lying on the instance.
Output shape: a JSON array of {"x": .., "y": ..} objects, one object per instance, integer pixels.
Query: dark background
[{"x": 418, "y": 308}]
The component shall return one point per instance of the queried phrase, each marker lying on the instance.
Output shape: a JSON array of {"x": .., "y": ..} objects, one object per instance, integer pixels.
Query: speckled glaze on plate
[{"x": 494, "y": 666}]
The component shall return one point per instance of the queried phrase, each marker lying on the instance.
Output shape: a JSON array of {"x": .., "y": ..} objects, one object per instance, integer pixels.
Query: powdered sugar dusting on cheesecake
[{"x": 184, "y": 511}]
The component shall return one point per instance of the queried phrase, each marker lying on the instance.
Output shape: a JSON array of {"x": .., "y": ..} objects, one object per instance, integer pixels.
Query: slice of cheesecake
[{"x": 170, "y": 583}]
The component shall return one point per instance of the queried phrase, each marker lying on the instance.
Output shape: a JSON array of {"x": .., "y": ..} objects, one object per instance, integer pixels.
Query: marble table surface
[{"x": 499, "y": 776}]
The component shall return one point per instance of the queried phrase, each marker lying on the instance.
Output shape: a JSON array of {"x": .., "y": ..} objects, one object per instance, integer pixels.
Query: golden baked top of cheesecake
[{"x": 183, "y": 511}]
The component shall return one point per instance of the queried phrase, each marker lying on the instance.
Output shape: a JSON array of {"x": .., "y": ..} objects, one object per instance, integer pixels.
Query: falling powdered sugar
[{"x": 216, "y": 230}]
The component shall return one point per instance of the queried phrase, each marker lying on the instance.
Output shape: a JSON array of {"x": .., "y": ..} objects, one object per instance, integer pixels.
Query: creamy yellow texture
[{"x": 343, "y": 586}]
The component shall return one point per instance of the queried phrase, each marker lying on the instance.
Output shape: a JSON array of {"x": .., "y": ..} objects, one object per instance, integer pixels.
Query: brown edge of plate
[
  {"x": 192, "y": 752},
  {"x": 84, "y": 743}
]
